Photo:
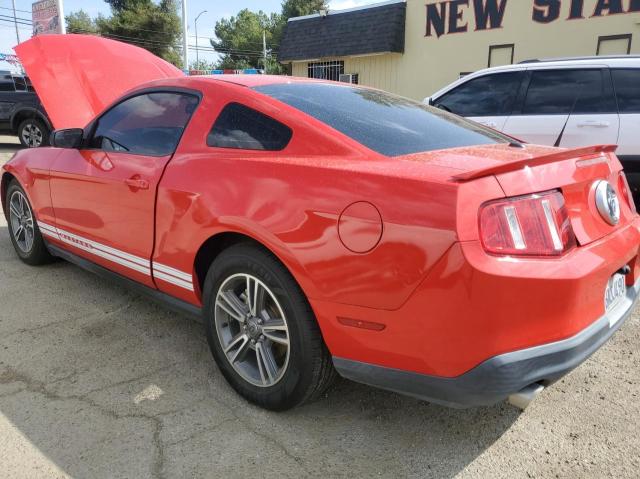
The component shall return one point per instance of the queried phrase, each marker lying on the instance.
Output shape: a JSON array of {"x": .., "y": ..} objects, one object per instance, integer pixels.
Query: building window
[
  {"x": 500, "y": 55},
  {"x": 614, "y": 45},
  {"x": 326, "y": 70}
]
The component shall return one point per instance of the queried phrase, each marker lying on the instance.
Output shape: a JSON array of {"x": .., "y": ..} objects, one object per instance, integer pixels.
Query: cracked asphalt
[{"x": 97, "y": 382}]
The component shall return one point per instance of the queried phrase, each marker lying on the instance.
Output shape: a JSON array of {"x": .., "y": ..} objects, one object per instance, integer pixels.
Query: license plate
[{"x": 616, "y": 290}]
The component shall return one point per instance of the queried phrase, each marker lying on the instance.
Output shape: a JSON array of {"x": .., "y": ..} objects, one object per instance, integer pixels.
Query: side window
[
  {"x": 149, "y": 124},
  {"x": 20, "y": 83},
  {"x": 6, "y": 83},
  {"x": 560, "y": 92},
  {"x": 627, "y": 85},
  {"x": 490, "y": 95},
  {"x": 244, "y": 128}
]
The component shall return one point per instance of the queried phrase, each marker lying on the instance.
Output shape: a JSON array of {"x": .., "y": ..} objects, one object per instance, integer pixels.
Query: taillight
[
  {"x": 625, "y": 191},
  {"x": 533, "y": 225}
]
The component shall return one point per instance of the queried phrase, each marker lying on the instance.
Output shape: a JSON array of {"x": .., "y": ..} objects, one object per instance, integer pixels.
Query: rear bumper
[{"x": 496, "y": 378}]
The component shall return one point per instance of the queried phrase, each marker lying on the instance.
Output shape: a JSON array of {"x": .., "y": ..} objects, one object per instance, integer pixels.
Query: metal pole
[
  {"x": 264, "y": 49},
  {"x": 61, "y": 19},
  {"x": 196, "y": 24},
  {"x": 15, "y": 21},
  {"x": 185, "y": 45}
]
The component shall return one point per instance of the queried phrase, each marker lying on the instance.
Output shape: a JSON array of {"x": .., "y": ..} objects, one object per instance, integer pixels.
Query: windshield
[{"x": 386, "y": 123}]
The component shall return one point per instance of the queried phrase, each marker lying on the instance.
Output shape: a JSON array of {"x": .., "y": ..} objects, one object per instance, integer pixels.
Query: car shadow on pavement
[
  {"x": 9, "y": 147},
  {"x": 98, "y": 382}
]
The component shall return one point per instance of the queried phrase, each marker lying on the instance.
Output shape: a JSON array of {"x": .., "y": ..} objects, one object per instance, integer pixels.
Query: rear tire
[
  {"x": 287, "y": 364},
  {"x": 23, "y": 227},
  {"x": 33, "y": 133}
]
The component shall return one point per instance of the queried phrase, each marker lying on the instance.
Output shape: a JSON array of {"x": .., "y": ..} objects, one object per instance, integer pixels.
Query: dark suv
[{"x": 21, "y": 112}]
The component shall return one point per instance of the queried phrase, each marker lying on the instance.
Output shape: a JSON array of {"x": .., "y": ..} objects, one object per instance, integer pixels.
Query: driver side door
[{"x": 103, "y": 195}]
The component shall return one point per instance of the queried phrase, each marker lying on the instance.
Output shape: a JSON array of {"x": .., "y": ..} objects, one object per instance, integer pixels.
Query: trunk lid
[
  {"x": 535, "y": 169},
  {"x": 77, "y": 76}
]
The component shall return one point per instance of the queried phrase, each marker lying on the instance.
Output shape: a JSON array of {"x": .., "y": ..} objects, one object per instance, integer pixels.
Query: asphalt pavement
[{"x": 98, "y": 382}]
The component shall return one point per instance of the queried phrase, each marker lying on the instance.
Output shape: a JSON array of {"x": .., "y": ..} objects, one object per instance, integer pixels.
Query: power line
[
  {"x": 11, "y": 25},
  {"x": 17, "y": 10}
]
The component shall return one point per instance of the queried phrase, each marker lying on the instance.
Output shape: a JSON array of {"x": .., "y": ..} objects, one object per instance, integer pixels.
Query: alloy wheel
[
  {"x": 32, "y": 135},
  {"x": 21, "y": 220},
  {"x": 252, "y": 330}
]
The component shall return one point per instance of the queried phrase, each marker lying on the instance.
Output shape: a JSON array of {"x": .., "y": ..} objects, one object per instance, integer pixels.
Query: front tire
[
  {"x": 262, "y": 331},
  {"x": 23, "y": 227},
  {"x": 33, "y": 133}
]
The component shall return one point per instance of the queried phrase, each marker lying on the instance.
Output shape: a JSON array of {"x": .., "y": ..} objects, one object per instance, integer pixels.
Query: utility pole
[
  {"x": 264, "y": 49},
  {"x": 196, "y": 24},
  {"x": 185, "y": 43},
  {"x": 63, "y": 23},
  {"x": 15, "y": 21}
]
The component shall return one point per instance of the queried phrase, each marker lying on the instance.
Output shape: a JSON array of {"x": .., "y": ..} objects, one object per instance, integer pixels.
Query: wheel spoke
[
  {"x": 257, "y": 298},
  {"x": 266, "y": 363},
  {"x": 241, "y": 345},
  {"x": 274, "y": 325},
  {"x": 14, "y": 210},
  {"x": 19, "y": 232},
  {"x": 276, "y": 338},
  {"x": 232, "y": 305}
]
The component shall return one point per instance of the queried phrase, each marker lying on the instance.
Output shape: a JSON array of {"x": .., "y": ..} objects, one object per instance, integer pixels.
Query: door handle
[
  {"x": 594, "y": 124},
  {"x": 136, "y": 183}
]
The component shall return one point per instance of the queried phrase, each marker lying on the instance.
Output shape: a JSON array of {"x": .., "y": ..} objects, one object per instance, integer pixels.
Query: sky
[{"x": 216, "y": 9}]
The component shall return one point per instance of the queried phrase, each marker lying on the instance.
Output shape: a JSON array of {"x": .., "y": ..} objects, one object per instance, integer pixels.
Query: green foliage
[
  {"x": 239, "y": 38},
  {"x": 299, "y": 8},
  {"x": 80, "y": 22},
  {"x": 155, "y": 27},
  {"x": 202, "y": 65}
]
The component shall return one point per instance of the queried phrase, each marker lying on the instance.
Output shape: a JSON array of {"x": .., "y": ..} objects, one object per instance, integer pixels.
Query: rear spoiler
[{"x": 540, "y": 160}]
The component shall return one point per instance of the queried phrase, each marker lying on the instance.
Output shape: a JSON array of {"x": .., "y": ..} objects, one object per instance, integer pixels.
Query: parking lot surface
[{"x": 98, "y": 382}]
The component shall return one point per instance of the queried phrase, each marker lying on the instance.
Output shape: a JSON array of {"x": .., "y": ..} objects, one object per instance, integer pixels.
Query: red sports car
[{"x": 320, "y": 227}]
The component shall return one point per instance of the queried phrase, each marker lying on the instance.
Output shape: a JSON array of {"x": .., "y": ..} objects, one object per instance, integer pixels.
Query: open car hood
[{"x": 77, "y": 76}]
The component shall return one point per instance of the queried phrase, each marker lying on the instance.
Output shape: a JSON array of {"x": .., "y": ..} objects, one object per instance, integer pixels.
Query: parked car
[
  {"x": 563, "y": 102},
  {"x": 318, "y": 227},
  {"x": 21, "y": 112}
]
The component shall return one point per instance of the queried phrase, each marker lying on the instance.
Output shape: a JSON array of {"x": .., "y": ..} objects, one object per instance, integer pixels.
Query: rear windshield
[{"x": 386, "y": 123}]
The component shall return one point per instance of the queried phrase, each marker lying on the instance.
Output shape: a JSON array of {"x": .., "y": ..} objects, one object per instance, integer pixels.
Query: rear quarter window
[
  {"x": 627, "y": 85},
  {"x": 386, "y": 123},
  {"x": 241, "y": 127}
]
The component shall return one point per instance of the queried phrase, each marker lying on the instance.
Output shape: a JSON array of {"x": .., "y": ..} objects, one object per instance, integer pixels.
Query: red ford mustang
[{"x": 319, "y": 227}]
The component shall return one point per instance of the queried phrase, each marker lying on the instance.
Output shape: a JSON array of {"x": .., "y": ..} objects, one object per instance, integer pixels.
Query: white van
[{"x": 563, "y": 102}]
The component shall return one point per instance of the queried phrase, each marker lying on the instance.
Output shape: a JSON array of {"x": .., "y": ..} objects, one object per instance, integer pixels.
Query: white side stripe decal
[{"x": 162, "y": 272}]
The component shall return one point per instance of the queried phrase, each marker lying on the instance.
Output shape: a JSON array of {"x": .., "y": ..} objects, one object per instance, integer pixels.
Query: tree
[
  {"x": 202, "y": 65},
  {"x": 239, "y": 38},
  {"x": 299, "y": 8},
  {"x": 153, "y": 26},
  {"x": 80, "y": 22}
]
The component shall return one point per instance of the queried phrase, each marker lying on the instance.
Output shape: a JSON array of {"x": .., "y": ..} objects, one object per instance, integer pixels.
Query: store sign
[
  {"x": 451, "y": 16},
  {"x": 45, "y": 17}
]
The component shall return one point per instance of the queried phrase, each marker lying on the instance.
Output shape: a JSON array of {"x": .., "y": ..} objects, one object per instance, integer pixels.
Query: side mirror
[{"x": 70, "y": 138}]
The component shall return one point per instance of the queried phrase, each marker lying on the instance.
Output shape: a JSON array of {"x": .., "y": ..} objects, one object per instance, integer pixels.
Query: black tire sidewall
[
  {"x": 38, "y": 253},
  {"x": 41, "y": 126},
  {"x": 293, "y": 386}
]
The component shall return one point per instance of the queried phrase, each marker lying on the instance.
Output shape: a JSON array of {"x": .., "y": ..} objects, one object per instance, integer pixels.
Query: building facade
[{"x": 416, "y": 47}]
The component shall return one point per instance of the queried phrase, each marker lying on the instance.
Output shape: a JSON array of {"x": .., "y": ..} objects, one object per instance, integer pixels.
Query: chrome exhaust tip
[{"x": 523, "y": 398}]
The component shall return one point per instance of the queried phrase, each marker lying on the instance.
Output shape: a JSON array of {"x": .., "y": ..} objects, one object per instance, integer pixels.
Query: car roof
[
  {"x": 246, "y": 80},
  {"x": 611, "y": 61}
]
